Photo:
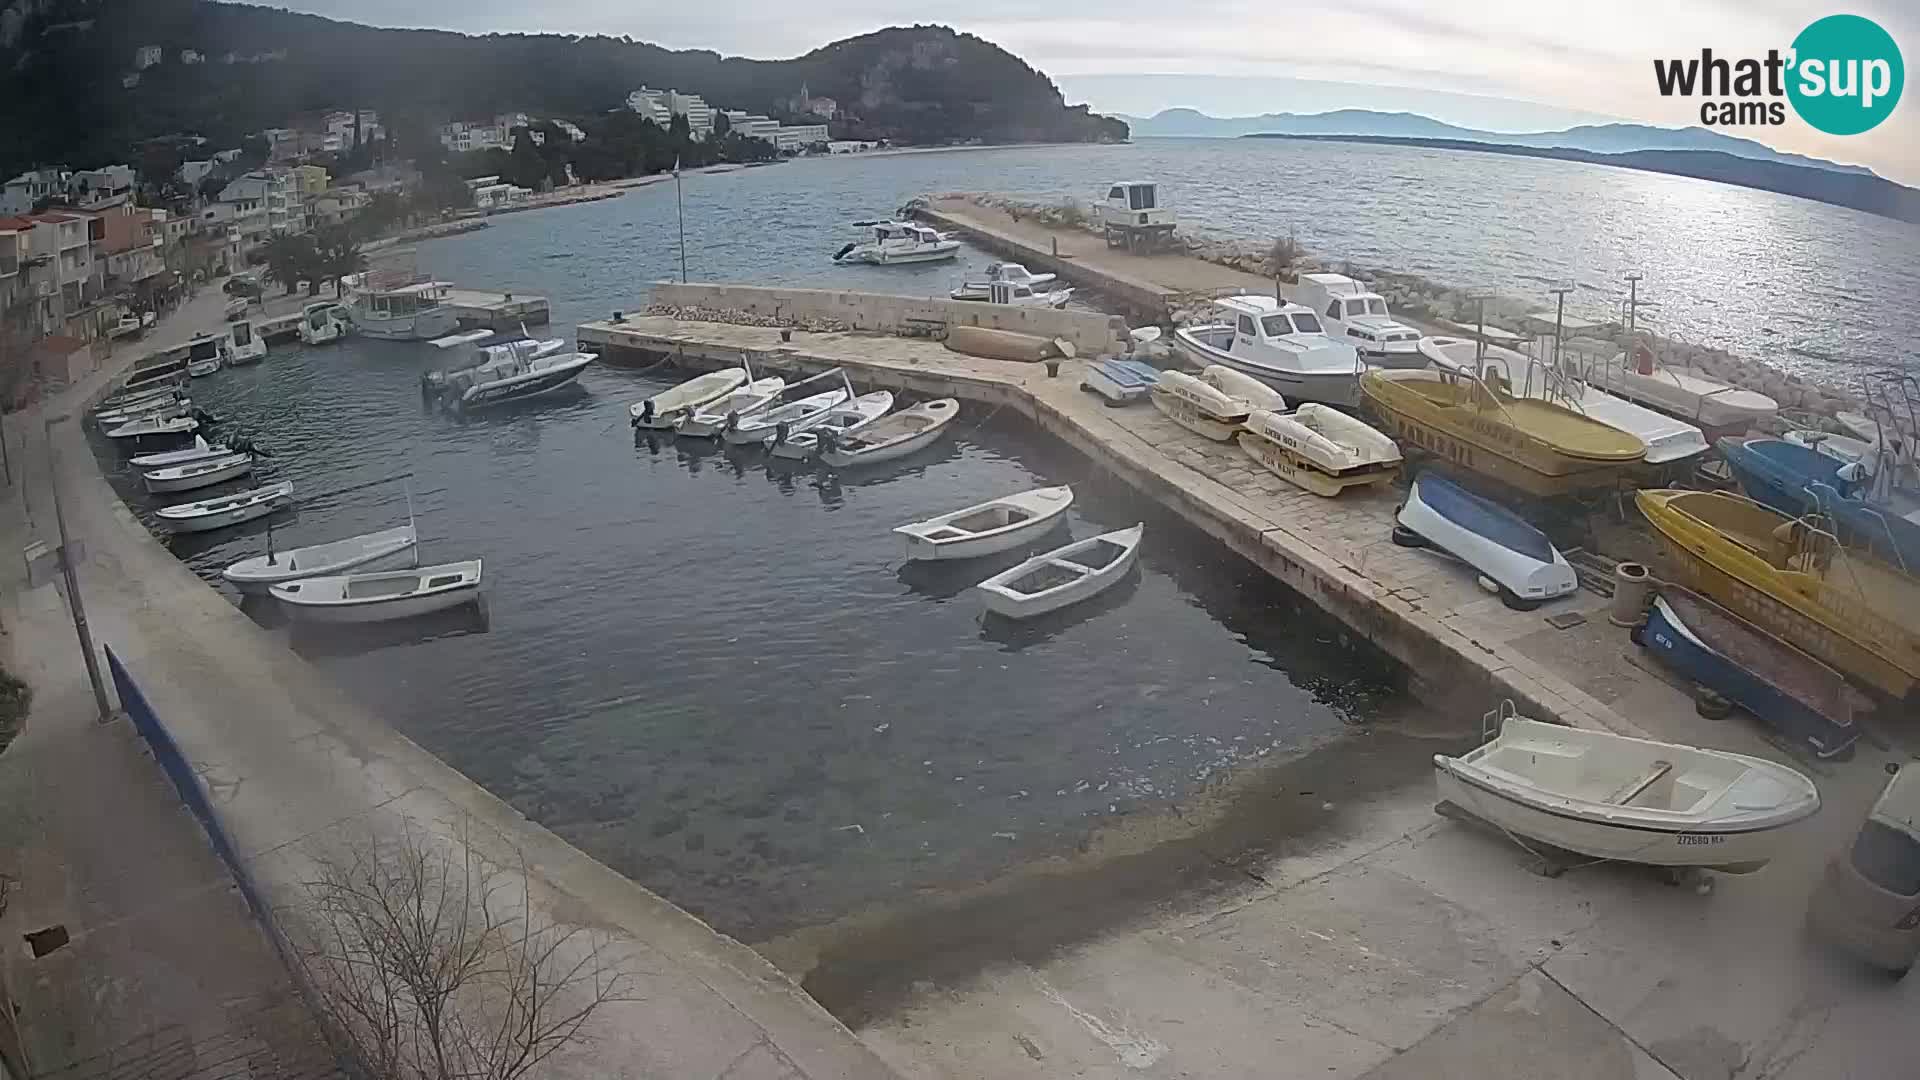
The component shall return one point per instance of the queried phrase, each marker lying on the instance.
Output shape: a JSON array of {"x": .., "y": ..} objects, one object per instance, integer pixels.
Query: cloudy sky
[{"x": 1503, "y": 64}]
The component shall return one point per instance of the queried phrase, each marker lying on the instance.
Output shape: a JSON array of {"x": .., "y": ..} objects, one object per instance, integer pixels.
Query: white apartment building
[
  {"x": 651, "y": 104},
  {"x": 799, "y": 136},
  {"x": 752, "y": 125},
  {"x": 20, "y": 194},
  {"x": 661, "y": 106},
  {"x": 464, "y": 138}
]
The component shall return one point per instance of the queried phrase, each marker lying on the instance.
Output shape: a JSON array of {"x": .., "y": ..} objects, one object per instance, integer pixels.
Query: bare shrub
[{"x": 1282, "y": 255}]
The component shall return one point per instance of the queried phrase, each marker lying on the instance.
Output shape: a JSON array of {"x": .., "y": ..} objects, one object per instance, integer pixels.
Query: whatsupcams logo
[{"x": 1843, "y": 75}]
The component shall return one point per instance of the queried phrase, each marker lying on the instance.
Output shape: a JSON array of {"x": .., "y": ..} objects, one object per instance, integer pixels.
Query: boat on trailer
[
  {"x": 1321, "y": 449},
  {"x": 258, "y": 573},
  {"x": 380, "y": 596},
  {"x": 891, "y": 437},
  {"x": 1500, "y": 544},
  {"x": 1616, "y": 798},
  {"x": 1064, "y": 576},
  {"x": 987, "y": 528}
]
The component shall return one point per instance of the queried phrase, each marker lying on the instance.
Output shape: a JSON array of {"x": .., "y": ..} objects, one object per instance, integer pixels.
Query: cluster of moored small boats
[{"x": 1045, "y": 583}]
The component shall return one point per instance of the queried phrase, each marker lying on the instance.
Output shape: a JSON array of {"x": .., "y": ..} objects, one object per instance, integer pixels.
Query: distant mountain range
[{"x": 1593, "y": 138}]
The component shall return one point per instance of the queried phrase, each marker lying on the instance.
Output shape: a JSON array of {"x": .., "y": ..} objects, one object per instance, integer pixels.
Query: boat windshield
[
  {"x": 1376, "y": 306},
  {"x": 1276, "y": 325},
  {"x": 1889, "y": 858},
  {"x": 204, "y": 349}
]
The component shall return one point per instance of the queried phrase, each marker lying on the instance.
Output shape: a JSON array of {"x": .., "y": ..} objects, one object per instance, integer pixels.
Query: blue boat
[
  {"x": 1870, "y": 527},
  {"x": 1442, "y": 513},
  {"x": 1796, "y": 480},
  {"x": 1803, "y": 699},
  {"x": 1120, "y": 381}
]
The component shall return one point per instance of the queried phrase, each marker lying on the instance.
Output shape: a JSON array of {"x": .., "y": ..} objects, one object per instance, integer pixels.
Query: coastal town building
[
  {"x": 797, "y": 137},
  {"x": 661, "y": 106}
]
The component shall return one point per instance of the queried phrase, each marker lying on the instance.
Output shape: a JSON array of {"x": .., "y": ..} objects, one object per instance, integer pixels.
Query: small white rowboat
[
  {"x": 1320, "y": 448},
  {"x": 763, "y": 426},
  {"x": 665, "y": 409},
  {"x": 1234, "y": 384},
  {"x": 1632, "y": 800},
  {"x": 708, "y": 420},
  {"x": 988, "y": 528},
  {"x": 843, "y": 420},
  {"x": 208, "y": 514},
  {"x": 198, "y": 474},
  {"x": 199, "y": 451},
  {"x": 140, "y": 429},
  {"x": 894, "y": 437},
  {"x": 378, "y": 597},
  {"x": 317, "y": 560},
  {"x": 1198, "y": 407},
  {"x": 1063, "y": 576}
]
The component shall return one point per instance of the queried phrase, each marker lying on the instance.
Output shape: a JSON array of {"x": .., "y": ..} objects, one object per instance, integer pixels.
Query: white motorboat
[
  {"x": 1352, "y": 312},
  {"x": 1256, "y": 394},
  {"x": 155, "y": 426},
  {"x": 708, "y": 420},
  {"x": 194, "y": 475},
  {"x": 323, "y": 323},
  {"x": 200, "y": 369},
  {"x": 1609, "y": 796},
  {"x": 1282, "y": 345},
  {"x": 1668, "y": 438},
  {"x": 380, "y": 595},
  {"x": 1710, "y": 403},
  {"x": 163, "y": 409},
  {"x": 898, "y": 242},
  {"x": 987, "y": 528},
  {"x": 1018, "y": 294},
  {"x": 204, "y": 347},
  {"x": 244, "y": 345},
  {"x": 665, "y": 409},
  {"x": 765, "y": 425},
  {"x": 260, "y": 572},
  {"x": 1199, "y": 407},
  {"x": 280, "y": 327},
  {"x": 842, "y": 420},
  {"x": 139, "y": 399},
  {"x": 509, "y": 372},
  {"x": 1011, "y": 273},
  {"x": 892, "y": 437},
  {"x": 209, "y": 514},
  {"x": 156, "y": 370},
  {"x": 416, "y": 312},
  {"x": 1493, "y": 540},
  {"x": 1319, "y": 448},
  {"x": 200, "y": 450},
  {"x": 1063, "y": 576}
]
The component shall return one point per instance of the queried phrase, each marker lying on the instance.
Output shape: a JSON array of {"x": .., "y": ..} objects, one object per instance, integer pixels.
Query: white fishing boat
[
  {"x": 892, "y": 437},
  {"x": 1063, "y": 576},
  {"x": 1609, "y": 796},
  {"x": 1708, "y": 402},
  {"x": 1256, "y": 394},
  {"x": 664, "y": 410},
  {"x": 1350, "y": 310},
  {"x": 987, "y": 528},
  {"x": 209, "y": 514},
  {"x": 207, "y": 353},
  {"x": 899, "y": 242},
  {"x": 842, "y": 420},
  {"x": 154, "y": 371},
  {"x": 1011, "y": 273},
  {"x": 415, "y": 312},
  {"x": 323, "y": 323},
  {"x": 244, "y": 345},
  {"x": 1282, "y": 345},
  {"x": 1668, "y": 438},
  {"x": 1017, "y": 294},
  {"x": 1199, "y": 407},
  {"x": 762, "y": 427},
  {"x": 199, "y": 450},
  {"x": 382, "y": 595},
  {"x": 706, "y": 421},
  {"x": 280, "y": 327},
  {"x": 163, "y": 409},
  {"x": 260, "y": 572},
  {"x": 194, "y": 475},
  {"x": 1321, "y": 449},
  {"x": 1498, "y": 543},
  {"x": 155, "y": 426}
]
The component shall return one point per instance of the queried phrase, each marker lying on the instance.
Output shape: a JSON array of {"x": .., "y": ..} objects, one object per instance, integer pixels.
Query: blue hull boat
[
  {"x": 1796, "y": 480},
  {"x": 1871, "y": 527},
  {"x": 1787, "y": 690},
  {"x": 1441, "y": 513},
  {"x": 1120, "y": 381}
]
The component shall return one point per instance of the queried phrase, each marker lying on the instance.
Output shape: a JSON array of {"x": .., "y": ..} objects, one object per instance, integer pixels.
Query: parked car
[{"x": 1868, "y": 903}]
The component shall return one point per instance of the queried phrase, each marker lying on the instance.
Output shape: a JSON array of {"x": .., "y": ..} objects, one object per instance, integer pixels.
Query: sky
[{"x": 1501, "y": 64}]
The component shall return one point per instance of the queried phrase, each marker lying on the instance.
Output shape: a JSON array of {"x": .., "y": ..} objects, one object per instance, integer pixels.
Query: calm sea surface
[{"x": 716, "y": 674}]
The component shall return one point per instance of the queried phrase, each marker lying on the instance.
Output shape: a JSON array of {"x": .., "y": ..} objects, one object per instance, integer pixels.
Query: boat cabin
[
  {"x": 205, "y": 347},
  {"x": 406, "y": 301},
  {"x": 1260, "y": 329},
  {"x": 903, "y": 232},
  {"x": 1350, "y": 310},
  {"x": 1134, "y": 215},
  {"x": 242, "y": 334}
]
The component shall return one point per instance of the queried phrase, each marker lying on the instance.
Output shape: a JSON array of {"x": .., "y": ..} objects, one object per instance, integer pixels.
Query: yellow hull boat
[
  {"x": 1789, "y": 578},
  {"x": 1535, "y": 446}
]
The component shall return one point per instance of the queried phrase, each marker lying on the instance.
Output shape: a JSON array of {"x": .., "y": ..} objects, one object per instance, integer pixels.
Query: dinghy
[
  {"x": 893, "y": 437},
  {"x": 763, "y": 426},
  {"x": 198, "y": 474},
  {"x": 842, "y": 420},
  {"x": 1256, "y": 394},
  {"x": 318, "y": 560},
  {"x": 1787, "y": 690},
  {"x": 199, "y": 451},
  {"x": 209, "y": 514},
  {"x": 1063, "y": 576},
  {"x": 1492, "y": 539},
  {"x": 380, "y": 596},
  {"x": 137, "y": 399},
  {"x": 1319, "y": 448},
  {"x": 158, "y": 410},
  {"x": 987, "y": 528},
  {"x": 154, "y": 426},
  {"x": 1608, "y": 796},
  {"x": 706, "y": 421},
  {"x": 1121, "y": 382},
  {"x": 665, "y": 409},
  {"x": 1198, "y": 407}
]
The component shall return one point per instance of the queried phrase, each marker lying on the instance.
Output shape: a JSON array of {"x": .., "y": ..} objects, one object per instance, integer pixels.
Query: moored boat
[
  {"x": 891, "y": 437},
  {"x": 1282, "y": 345},
  {"x": 513, "y": 371},
  {"x": 799, "y": 415},
  {"x": 380, "y": 595},
  {"x": 1784, "y": 688},
  {"x": 665, "y": 409},
  {"x": 280, "y": 327},
  {"x": 1321, "y": 449},
  {"x": 414, "y": 312},
  {"x": 1002, "y": 273},
  {"x": 156, "y": 370},
  {"x": 257, "y": 573},
  {"x": 987, "y": 528},
  {"x": 199, "y": 450},
  {"x": 899, "y": 242},
  {"x": 1198, "y": 407},
  {"x": 244, "y": 345},
  {"x": 323, "y": 323},
  {"x": 842, "y": 420},
  {"x": 1612, "y": 797},
  {"x": 193, "y": 475},
  {"x": 1064, "y": 576},
  {"x": 149, "y": 427},
  {"x": 1534, "y": 446},
  {"x": 208, "y": 514},
  {"x": 161, "y": 409},
  {"x": 1796, "y": 581},
  {"x": 1485, "y": 535},
  {"x": 706, "y": 421}
]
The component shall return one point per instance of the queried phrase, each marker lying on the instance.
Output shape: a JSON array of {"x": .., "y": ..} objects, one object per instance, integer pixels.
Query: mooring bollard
[
  {"x": 786, "y": 334},
  {"x": 1053, "y": 367},
  {"x": 1056, "y": 246}
]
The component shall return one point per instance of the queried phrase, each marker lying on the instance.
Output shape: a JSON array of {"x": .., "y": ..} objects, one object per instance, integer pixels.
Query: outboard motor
[
  {"x": 842, "y": 253},
  {"x": 733, "y": 420},
  {"x": 779, "y": 433},
  {"x": 646, "y": 413}
]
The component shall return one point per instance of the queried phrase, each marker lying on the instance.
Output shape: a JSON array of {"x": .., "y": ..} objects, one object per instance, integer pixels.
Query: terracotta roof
[{"x": 16, "y": 223}]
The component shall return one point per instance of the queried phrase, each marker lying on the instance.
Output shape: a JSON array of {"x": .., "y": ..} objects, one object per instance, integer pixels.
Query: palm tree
[
  {"x": 290, "y": 259},
  {"x": 339, "y": 255}
]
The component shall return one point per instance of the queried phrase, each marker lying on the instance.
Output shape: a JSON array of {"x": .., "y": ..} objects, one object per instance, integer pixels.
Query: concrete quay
[{"x": 483, "y": 309}]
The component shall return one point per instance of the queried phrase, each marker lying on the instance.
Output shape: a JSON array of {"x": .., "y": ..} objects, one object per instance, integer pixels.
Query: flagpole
[{"x": 681, "y": 203}]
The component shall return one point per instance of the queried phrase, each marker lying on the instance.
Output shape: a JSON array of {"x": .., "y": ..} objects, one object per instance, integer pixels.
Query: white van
[{"x": 1869, "y": 901}]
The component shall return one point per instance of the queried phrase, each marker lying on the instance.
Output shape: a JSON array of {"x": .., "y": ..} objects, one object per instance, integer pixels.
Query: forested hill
[{"x": 63, "y": 65}]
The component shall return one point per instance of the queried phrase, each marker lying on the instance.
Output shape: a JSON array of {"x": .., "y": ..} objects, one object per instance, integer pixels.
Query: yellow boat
[
  {"x": 1536, "y": 446},
  {"x": 1790, "y": 577}
]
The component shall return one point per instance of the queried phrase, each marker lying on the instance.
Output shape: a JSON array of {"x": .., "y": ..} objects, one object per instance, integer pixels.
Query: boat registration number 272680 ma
[{"x": 1687, "y": 838}]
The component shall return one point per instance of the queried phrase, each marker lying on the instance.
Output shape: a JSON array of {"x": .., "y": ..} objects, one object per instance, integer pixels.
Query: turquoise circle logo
[{"x": 1847, "y": 75}]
